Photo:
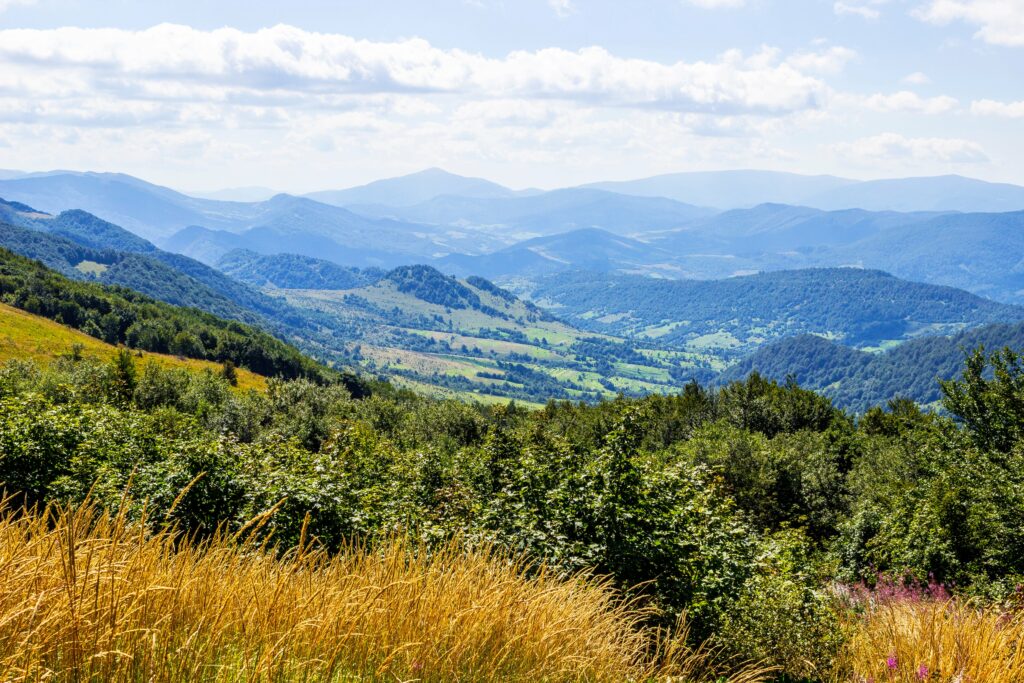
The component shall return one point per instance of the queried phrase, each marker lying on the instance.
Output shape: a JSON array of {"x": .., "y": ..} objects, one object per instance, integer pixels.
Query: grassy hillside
[
  {"x": 27, "y": 336},
  {"x": 121, "y": 316}
]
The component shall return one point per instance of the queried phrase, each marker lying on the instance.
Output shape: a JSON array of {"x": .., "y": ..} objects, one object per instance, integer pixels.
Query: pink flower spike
[
  {"x": 891, "y": 662},
  {"x": 922, "y": 672}
]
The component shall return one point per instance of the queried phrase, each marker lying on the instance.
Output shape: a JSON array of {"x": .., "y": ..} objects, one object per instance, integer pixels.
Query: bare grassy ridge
[{"x": 85, "y": 596}]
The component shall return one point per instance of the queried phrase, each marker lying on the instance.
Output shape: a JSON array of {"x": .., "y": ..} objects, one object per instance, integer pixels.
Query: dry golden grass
[
  {"x": 89, "y": 597},
  {"x": 23, "y": 335},
  {"x": 938, "y": 641}
]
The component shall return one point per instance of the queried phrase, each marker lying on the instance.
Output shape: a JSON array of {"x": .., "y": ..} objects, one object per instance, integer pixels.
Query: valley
[
  {"x": 458, "y": 287},
  {"x": 472, "y": 339}
]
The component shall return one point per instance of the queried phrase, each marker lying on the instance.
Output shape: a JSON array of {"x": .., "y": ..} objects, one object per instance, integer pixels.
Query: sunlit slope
[{"x": 23, "y": 335}]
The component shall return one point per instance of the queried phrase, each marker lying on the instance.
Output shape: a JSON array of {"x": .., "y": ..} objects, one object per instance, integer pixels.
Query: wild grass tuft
[
  {"x": 938, "y": 641},
  {"x": 86, "y": 596}
]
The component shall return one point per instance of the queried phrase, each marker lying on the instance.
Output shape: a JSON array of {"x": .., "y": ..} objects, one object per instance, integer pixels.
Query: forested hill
[
  {"x": 293, "y": 271},
  {"x": 859, "y": 307},
  {"x": 856, "y": 380},
  {"x": 134, "y": 262},
  {"x": 136, "y": 271},
  {"x": 118, "y": 315}
]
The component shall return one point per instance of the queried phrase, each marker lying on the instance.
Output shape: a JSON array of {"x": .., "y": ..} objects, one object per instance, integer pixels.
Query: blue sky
[{"x": 306, "y": 94}]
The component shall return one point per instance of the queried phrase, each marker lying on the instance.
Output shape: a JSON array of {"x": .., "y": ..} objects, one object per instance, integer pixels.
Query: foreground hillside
[{"x": 27, "y": 336}]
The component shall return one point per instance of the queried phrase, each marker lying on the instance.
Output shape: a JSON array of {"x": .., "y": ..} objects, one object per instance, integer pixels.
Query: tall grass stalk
[{"x": 85, "y": 596}]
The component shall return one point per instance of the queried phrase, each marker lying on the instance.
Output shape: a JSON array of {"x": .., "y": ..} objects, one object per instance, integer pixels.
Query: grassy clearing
[
  {"x": 503, "y": 348},
  {"x": 27, "y": 336},
  {"x": 715, "y": 340},
  {"x": 91, "y": 268},
  {"x": 89, "y": 597},
  {"x": 916, "y": 641}
]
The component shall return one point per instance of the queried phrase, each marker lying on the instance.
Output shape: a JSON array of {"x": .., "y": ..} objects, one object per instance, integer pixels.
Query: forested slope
[{"x": 857, "y": 380}]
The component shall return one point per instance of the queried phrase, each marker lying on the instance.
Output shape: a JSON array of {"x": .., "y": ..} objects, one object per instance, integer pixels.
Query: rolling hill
[
  {"x": 859, "y": 307},
  {"x": 117, "y": 315},
  {"x": 292, "y": 271},
  {"x": 78, "y": 244}
]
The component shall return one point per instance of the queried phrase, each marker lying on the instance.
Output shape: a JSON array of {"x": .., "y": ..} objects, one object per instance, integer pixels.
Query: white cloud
[
  {"x": 908, "y": 102},
  {"x": 286, "y": 63},
  {"x": 917, "y": 78},
  {"x": 717, "y": 4},
  {"x": 867, "y": 11},
  {"x": 896, "y": 147},
  {"x": 6, "y": 4},
  {"x": 1000, "y": 22},
  {"x": 1009, "y": 110},
  {"x": 830, "y": 61},
  {"x": 562, "y": 8}
]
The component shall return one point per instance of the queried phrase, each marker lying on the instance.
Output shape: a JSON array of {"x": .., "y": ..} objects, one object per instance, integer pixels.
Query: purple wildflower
[
  {"x": 922, "y": 672},
  {"x": 892, "y": 662}
]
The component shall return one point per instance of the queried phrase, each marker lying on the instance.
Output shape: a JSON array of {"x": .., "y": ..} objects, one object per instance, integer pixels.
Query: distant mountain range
[
  {"x": 589, "y": 249},
  {"x": 982, "y": 252},
  {"x": 416, "y": 188},
  {"x": 744, "y": 189},
  {"x": 546, "y": 213},
  {"x": 621, "y": 330}
]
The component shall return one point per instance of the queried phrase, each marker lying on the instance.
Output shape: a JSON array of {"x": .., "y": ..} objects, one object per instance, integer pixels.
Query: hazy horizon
[{"x": 203, "y": 192}]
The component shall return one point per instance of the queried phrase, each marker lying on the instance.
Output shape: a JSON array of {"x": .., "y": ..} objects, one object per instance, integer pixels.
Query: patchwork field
[{"x": 470, "y": 339}]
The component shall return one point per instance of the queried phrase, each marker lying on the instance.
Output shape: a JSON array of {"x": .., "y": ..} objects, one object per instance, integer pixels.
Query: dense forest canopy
[{"x": 767, "y": 305}]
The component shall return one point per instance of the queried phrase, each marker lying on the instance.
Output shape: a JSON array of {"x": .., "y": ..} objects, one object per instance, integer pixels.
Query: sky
[{"x": 315, "y": 94}]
